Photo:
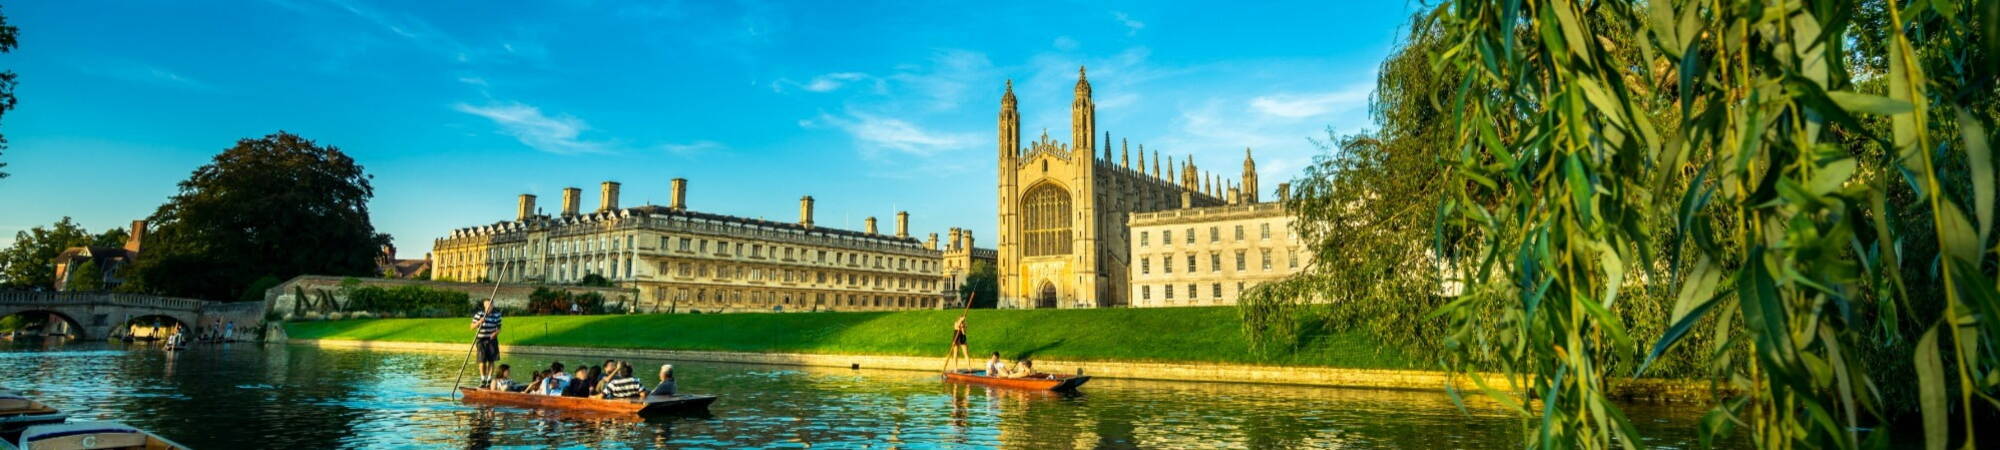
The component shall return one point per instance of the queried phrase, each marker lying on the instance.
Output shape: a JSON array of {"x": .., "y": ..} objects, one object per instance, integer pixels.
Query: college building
[{"x": 681, "y": 260}]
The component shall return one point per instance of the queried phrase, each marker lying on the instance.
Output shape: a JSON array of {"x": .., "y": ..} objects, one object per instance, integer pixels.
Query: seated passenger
[
  {"x": 624, "y": 386},
  {"x": 579, "y": 386},
  {"x": 557, "y": 382},
  {"x": 1023, "y": 369},
  {"x": 666, "y": 387},
  {"x": 995, "y": 368},
  {"x": 500, "y": 381}
]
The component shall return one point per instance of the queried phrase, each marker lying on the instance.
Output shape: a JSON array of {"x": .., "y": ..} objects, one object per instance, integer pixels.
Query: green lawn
[{"x": 1124, "y": 334}]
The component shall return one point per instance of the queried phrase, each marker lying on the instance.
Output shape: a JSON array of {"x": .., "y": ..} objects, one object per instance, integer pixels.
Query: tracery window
[{"x": 1046, "y": 221}]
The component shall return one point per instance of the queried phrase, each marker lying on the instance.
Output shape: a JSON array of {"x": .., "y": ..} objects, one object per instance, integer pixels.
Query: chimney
[
  {"x": 902, "y": 224},
  {"x": 1187, "y": 199},
  {"x": 679, "y": 199},
  {"x": 806, "y": 212},
  {"x": 607, "y": 196},
  {"x": 965, "y": 240},
  {"x": 931, "y": 244},
  {"x": 571, "y": 196},
  {"x": 1284, "y": 192},
  {"x": 871, "y": 224},
  {"x": 526, "y": 207},
  {"x": 136, "y": 236}
]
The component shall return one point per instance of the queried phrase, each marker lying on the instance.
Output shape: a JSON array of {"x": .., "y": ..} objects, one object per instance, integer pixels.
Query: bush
[
  {"x": 548, "y": 301},
  {"x": 256, "y": 291},
  {"x": 417, "y": 301}
]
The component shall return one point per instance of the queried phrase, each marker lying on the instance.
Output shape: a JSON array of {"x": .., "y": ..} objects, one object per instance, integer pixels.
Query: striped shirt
[
  {"x": 624, "y": 387},
  {"x": 489, "y": 324}
]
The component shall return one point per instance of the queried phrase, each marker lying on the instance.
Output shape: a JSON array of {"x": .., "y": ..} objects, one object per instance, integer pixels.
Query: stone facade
[
  {"x": 1063, "y": 208},
  {"x": 680, "y": 260},
  {"x": 1208, "y": 256},
  {"x": 959, "y": 256}
]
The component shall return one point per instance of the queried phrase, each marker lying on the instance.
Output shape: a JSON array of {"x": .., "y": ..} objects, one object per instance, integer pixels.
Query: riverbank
[{"x": 1157, "y": 344}]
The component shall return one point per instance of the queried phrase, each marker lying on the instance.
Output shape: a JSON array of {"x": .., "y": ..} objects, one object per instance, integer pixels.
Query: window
[
  {"x": 1293, "y": 261},
  {"x": 1190, "y": 260},
  {"x": 1264, "y": 230},
  {"x": 1145, "y": 238},
  {"x": 788, "y": 253},
  {"x": 1218, "y": 290},
  {"x": 1145, "y": 266},
  {"x": 1145, "y": 292},
  {"x": 1267, "y": 258},
  {"x": 1239, "y": 260},
  {"x": 1046, "y": 214},
  {"x": 757, "y": 250},
  {"x": 686, "y": 244},
  {"x": 1194, "y": 292},
  {"x": 1170, "y": 292},
  {"x": 701, "y": 246},
  {"x": 1190, "y": 235},
  {"x": 1214, "y": 234},
  {"x": 1166, "y": 237},
  {"x": 1214, "y": 262},
  {"x": 1167, "y": 264},
  {"x": 1239, "y": 232}
]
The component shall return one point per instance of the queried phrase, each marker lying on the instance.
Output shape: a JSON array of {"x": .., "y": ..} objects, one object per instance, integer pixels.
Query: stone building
[
  {"x": 959, "y": 257},
  {"x": 1063, "y": 208},
  {"x": 110, "y": 261},
  {"x": 1207, "y": 256},
  {"x": 681, "y": 260}
]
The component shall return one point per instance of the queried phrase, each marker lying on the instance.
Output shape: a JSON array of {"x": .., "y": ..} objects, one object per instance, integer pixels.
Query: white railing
[{"x": 33, "y": 298}]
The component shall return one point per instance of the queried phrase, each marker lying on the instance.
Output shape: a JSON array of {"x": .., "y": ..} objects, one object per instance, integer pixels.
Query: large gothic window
[{"x": 1046, "y": 221}]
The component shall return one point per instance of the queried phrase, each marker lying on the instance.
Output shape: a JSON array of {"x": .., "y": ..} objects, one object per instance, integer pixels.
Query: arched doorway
[{"x": 1047, "y": 297}]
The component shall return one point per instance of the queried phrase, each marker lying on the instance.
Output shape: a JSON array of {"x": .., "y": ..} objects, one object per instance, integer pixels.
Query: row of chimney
[{"x": 608, "y": 201}]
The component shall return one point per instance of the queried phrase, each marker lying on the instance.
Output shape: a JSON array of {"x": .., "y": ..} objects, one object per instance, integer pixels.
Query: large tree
[
  {"x": 30, "y": 261},
  {"x": 982, "y": 284},
  {"x": 279, "y": 206},
  {"x": 7, "y": 36}
]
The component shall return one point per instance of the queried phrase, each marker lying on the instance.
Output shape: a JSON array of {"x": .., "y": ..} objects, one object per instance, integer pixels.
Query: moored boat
[
  {"x": 1038, "y": 382},
  {"x": 19, "y": 412},
  {"x": 91, "y": 436},
  {"x": 649, "y": 405}
]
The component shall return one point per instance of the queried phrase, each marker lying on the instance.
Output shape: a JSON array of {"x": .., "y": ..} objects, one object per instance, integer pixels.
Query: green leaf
[
  {"x": 1871, "y": 104},
  {"x": 1980, "y": 156},
  {"x": 1931, "y": 391},
  {"x": 1682, "y": 323},
  {"x": 1831, "y": 176},
  {"x": 1614, "y": 274},
  {"x": 1955, "y": 233},
  {"x": 1579, "y": 188}
]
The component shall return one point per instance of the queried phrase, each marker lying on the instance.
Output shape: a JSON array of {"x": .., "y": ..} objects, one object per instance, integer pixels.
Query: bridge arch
[{"x": 70, "y": 325}]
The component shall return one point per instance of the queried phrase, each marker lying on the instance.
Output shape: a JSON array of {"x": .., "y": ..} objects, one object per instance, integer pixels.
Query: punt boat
[
  {"x": 652, "y": 404},
  {"x": 89, "y": 436},
  {"x": 1037, "y": 382},
  {"x": 18, "y": 412}
]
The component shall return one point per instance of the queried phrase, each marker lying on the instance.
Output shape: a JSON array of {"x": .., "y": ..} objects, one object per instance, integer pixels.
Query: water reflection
[{"x": 251, "y": 396}]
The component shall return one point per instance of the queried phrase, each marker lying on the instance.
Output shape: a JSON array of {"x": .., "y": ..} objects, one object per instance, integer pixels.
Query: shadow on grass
[{"x": 1030, "y": 353}]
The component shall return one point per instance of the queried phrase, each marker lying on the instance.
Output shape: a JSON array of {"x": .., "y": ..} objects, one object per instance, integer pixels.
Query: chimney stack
[
  {"x": 902, "y": 224},
  {"x": 571, "y": 196},
  {"x": 679, "y": 200},
  {"x": 1284, "y": 192},
  {"x": 931, "y": 244},
  {"x": 870, "y": 224},
  {"x": 965, "y": 240},
  {"x": 136, "y": 236},
  {"x": 526, "y": 207},
  {"x": 607, "y": 196},
  {"x": 806, "y": 212}
]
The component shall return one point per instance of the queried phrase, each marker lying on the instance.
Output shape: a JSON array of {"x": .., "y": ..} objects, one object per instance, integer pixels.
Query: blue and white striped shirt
[{"x": 489, "y": 324}]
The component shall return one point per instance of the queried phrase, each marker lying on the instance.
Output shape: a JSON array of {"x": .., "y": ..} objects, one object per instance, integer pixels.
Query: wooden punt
[
  {"x": 90, "y": 436},
  {"x": 650, "y": 405},
  {"x": 18, "y": 412},
  {"x": 1037, "y": 382}
]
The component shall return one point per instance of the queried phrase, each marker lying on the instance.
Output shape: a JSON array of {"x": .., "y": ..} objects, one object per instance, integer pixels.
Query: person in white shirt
[{"x": 995, "y": 368}]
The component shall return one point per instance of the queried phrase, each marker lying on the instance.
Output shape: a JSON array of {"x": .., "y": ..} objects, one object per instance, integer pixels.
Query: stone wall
[{"x": 509, "y": 295}]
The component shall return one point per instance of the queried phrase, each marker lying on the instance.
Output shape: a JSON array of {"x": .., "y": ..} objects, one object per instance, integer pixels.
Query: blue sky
[{"x": 456, "y": 107}]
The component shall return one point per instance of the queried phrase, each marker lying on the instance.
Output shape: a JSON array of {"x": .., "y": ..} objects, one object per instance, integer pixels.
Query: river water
[{"x": 289, "y": 396}]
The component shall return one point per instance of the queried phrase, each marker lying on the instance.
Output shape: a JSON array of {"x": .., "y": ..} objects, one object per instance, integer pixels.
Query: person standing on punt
[
  {"x": 959, "y": 350},
  {"x": 486, "y": 339}
]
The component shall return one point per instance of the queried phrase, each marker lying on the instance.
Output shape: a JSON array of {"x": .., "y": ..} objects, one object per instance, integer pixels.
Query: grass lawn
[{"x": 1122, "y": 334}]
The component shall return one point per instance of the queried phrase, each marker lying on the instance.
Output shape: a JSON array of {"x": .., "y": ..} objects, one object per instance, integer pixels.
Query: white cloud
[
  {"x": 1294, "y": 106},
  {"x": 1132, "y": 27},
  {"x": 692, "y": 148},
  {"x": 874, "y": 134},
  {"x": 139, "y": 72},
  {"x": 559, "y": 134},
  {"x": 833, "y": 81}
]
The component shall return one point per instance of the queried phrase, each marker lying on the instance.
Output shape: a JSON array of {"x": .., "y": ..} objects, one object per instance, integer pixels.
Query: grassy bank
[{"x": 1157, "y": 335}]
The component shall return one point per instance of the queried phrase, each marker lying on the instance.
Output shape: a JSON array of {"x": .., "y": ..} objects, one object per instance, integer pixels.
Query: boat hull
[
  {"x": 93, "y": 435},
  {"x": 1039, "y": 382},
  {"x": 650, "y": 405}
]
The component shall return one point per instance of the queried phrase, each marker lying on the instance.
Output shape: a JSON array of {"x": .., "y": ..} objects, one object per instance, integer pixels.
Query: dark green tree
[
  {"x": 30, "y": 261},
  {"x": 591, "y": 280},
  {"x": 279, "y": 206},
  {"x": 87, "y": 278},
  {"x": 982, "y": 285},
  {"x": 8, "y": 34}
]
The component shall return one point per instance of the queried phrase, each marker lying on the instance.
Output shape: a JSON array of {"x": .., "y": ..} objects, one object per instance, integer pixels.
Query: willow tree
[{"x": 1576, "y": 122}]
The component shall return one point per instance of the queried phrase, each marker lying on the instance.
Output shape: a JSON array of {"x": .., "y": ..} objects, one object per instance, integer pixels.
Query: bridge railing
[{"x": 102, "y": 298}]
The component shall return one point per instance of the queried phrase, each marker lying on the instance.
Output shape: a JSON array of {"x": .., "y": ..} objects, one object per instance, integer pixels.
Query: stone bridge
[{"x": 94, "y": 314}]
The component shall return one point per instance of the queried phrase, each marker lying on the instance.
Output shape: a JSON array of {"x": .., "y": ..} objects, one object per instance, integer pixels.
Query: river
[{"x": 291, "y": 396}]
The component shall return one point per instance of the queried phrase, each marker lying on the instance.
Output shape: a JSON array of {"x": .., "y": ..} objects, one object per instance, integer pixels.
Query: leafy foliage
[
  {"x": 1759, "y": 129},
  {"x": 29, "y": 263},
  {"x": 87, "y": 278},
  {"x": 9, "y": 36},
  {"x": 552, "y": 301},
  {"x": 588, "y": 280},
  {"x": 276, "y": 206},
  {"x": 982, "y": 285},
  {"x": 411, "y": 300}
]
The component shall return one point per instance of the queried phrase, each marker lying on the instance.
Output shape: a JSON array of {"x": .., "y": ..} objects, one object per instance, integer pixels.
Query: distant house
[
  {"x": 109, "y": 259},
  {"x": 388, "y": 266}
]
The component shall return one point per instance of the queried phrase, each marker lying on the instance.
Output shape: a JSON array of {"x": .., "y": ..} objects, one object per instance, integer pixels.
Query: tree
[
  {"x": 8, "y": 34},
  {"x": 279, "y": 206},
  {"x": 589, "y": 280},
  {"x": 30, "y": 262},
  {"x": 86, "y": 277},
  {"x": 982, "y": 285}
]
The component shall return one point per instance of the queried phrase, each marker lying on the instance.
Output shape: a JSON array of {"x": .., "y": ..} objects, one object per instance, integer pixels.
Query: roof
[{"x": 648, "y": 210}]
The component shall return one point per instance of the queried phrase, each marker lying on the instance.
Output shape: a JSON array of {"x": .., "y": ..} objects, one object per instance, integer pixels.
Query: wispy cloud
[
  {"x": 692, "y": 148},
  {"x": 139, "y": 72},
  {"x": 1132, "y": 27},
  {"x": 1294, "y": 106},
  {"x": 554, "y": 134},
  {"x": 874, "y": 134},
  {"x": 827, "y": 83}
]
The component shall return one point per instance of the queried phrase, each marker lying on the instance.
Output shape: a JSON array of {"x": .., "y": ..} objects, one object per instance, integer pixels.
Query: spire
[
  {"x": 1107, "y": 147},
  {"x": 1247, "y": 192},
  {"x": 1125, "y": 154},
  {"x": 1156, "y": 159},
  {"x": 1007, "y": 100}
]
